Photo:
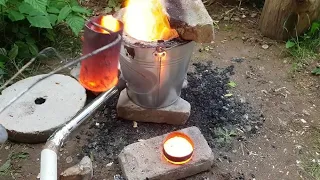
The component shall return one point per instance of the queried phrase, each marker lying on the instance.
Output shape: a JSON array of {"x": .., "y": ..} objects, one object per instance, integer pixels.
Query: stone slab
[
  {"x": 191, "y": 19},
  {"x": 43, "y": 109},
  {"x": 178, "y": 113},
  {"x": 143, "y": 160}
]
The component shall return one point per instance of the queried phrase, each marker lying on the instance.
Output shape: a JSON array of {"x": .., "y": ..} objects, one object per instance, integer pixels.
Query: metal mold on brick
[{"x": 144, "y": 160}]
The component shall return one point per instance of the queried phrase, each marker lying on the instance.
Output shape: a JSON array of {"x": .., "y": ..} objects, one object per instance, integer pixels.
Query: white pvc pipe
[{"x": 48, "y": 170}]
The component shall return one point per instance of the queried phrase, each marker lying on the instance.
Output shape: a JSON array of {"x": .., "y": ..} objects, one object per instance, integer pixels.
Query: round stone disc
[{"x": 44, "y": 108}]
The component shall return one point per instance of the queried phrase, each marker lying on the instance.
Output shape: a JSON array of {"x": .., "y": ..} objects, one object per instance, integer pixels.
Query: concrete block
[
  {"x": 44, "y": 108},
  {"x": 191, "y": 19},
  {"x": 143, "y": 160},
  {"x": 177, "y": 113},
  {"x": 81, "y": 171}
]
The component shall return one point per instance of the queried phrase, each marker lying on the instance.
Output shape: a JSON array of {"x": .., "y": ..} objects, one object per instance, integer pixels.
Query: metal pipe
[{"x": 48, "y": 169}]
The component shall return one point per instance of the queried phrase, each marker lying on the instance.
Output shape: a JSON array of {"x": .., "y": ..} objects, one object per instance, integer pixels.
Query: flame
[
  {"x": 144, "y": 20},
  {"x": 110, "y": 23}
]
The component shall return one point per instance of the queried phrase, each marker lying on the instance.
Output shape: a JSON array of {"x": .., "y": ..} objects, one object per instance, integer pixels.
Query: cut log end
[{"x": 284, "y": 19}]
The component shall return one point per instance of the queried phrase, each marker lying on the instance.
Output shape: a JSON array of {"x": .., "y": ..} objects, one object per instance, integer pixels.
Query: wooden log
[{"x": 283, "y": 19}]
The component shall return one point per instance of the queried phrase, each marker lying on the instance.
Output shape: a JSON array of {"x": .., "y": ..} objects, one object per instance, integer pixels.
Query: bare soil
[{"x": 265, "y": 85}]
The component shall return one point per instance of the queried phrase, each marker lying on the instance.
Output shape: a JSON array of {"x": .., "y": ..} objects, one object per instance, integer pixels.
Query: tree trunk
[{"x": 282, "y": 19}]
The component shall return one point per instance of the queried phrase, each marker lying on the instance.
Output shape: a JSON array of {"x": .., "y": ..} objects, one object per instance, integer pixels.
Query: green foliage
[
  {"x": 28, "y": 25},
  {"x": 113, "y": 5},
  {"x": 306, "y": 47},
  {"x": 310, "y": 161},
  {"x": 232, "y": 84},
  {"x": 44, "y": 13},
  {"x": 6, "y": 167},
  {"x": 316, "y": 71},
  {"x": 224, "y": 135}
]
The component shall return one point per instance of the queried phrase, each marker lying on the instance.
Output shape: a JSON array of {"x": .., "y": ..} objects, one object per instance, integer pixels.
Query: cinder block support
[
  {"x": 178, "y": 113},
  {"x": 143, "y": 160}
]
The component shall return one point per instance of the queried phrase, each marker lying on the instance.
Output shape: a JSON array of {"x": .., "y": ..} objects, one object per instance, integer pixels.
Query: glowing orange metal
[
  {"x": 100, "y": 72},
  {"x": 178, "y": 148}
]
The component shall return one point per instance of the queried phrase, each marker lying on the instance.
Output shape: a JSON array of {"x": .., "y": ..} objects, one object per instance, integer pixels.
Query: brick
[
  {"x": 177, "y": 113},
  {"x": 143, "y": 160},
  {"x": 191, "y": 19}
]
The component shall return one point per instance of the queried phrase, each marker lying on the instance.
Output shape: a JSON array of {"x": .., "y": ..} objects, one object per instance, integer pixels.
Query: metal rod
[
  {"x": 60, "y": 69},
  {"x": 48, "y": 169}
]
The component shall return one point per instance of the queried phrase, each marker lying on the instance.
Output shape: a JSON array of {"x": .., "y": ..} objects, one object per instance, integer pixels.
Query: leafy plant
[
  {"x": 28, "y": 25},
  {"x": 224, "y": 135},
  {"x": 316, "y": 71},
  {"x": 306, "y": 47},
  {"x": 6, "y": 167},
  {"x": 232, "y": 84},
  {"x": 45, "y": 13},
  {"x": 113, "y": 5}
]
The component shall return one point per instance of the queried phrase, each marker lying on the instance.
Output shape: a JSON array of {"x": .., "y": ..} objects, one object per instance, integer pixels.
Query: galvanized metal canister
[{"x": 155, "y": 74}]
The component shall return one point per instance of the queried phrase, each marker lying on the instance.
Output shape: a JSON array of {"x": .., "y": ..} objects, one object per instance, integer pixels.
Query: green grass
[
  {"x": 311, "y": 161},
  {"x": 305, "y": 49}
]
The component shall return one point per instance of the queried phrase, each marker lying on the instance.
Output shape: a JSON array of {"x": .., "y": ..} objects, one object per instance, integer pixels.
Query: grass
[
  {"x": 305, "y": 49},
  {"x": 311, "y": 161}
]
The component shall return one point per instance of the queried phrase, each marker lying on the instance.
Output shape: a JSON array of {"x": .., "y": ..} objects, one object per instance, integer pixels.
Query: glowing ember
[
  {"x": 100, "y": 72},
  {"x": 144, "y": 20},
  {"x": 110, "y": 23},
  {"x": 178, "y": 148}
]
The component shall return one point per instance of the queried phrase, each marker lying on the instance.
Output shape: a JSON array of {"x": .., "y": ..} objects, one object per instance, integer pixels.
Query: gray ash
[{"x": 210, "y": 109}]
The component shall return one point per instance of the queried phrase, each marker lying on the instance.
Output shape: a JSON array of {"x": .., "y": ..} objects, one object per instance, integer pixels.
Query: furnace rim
[{"x": 168, "y": 44}]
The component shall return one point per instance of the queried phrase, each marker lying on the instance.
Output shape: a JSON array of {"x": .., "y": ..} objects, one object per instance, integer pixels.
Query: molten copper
[
  {"x": 99, "y": 73},
  {"x": 178, "y": 148}
]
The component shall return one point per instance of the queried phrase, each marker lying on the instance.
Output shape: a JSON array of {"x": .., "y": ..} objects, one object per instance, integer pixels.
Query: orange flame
[
  {"x": 110, "y": 23},
  {"x": 145, "y": 20}
]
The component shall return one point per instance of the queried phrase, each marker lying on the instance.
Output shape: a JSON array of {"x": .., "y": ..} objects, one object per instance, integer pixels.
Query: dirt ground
[{"x": 288, "y": 101}]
